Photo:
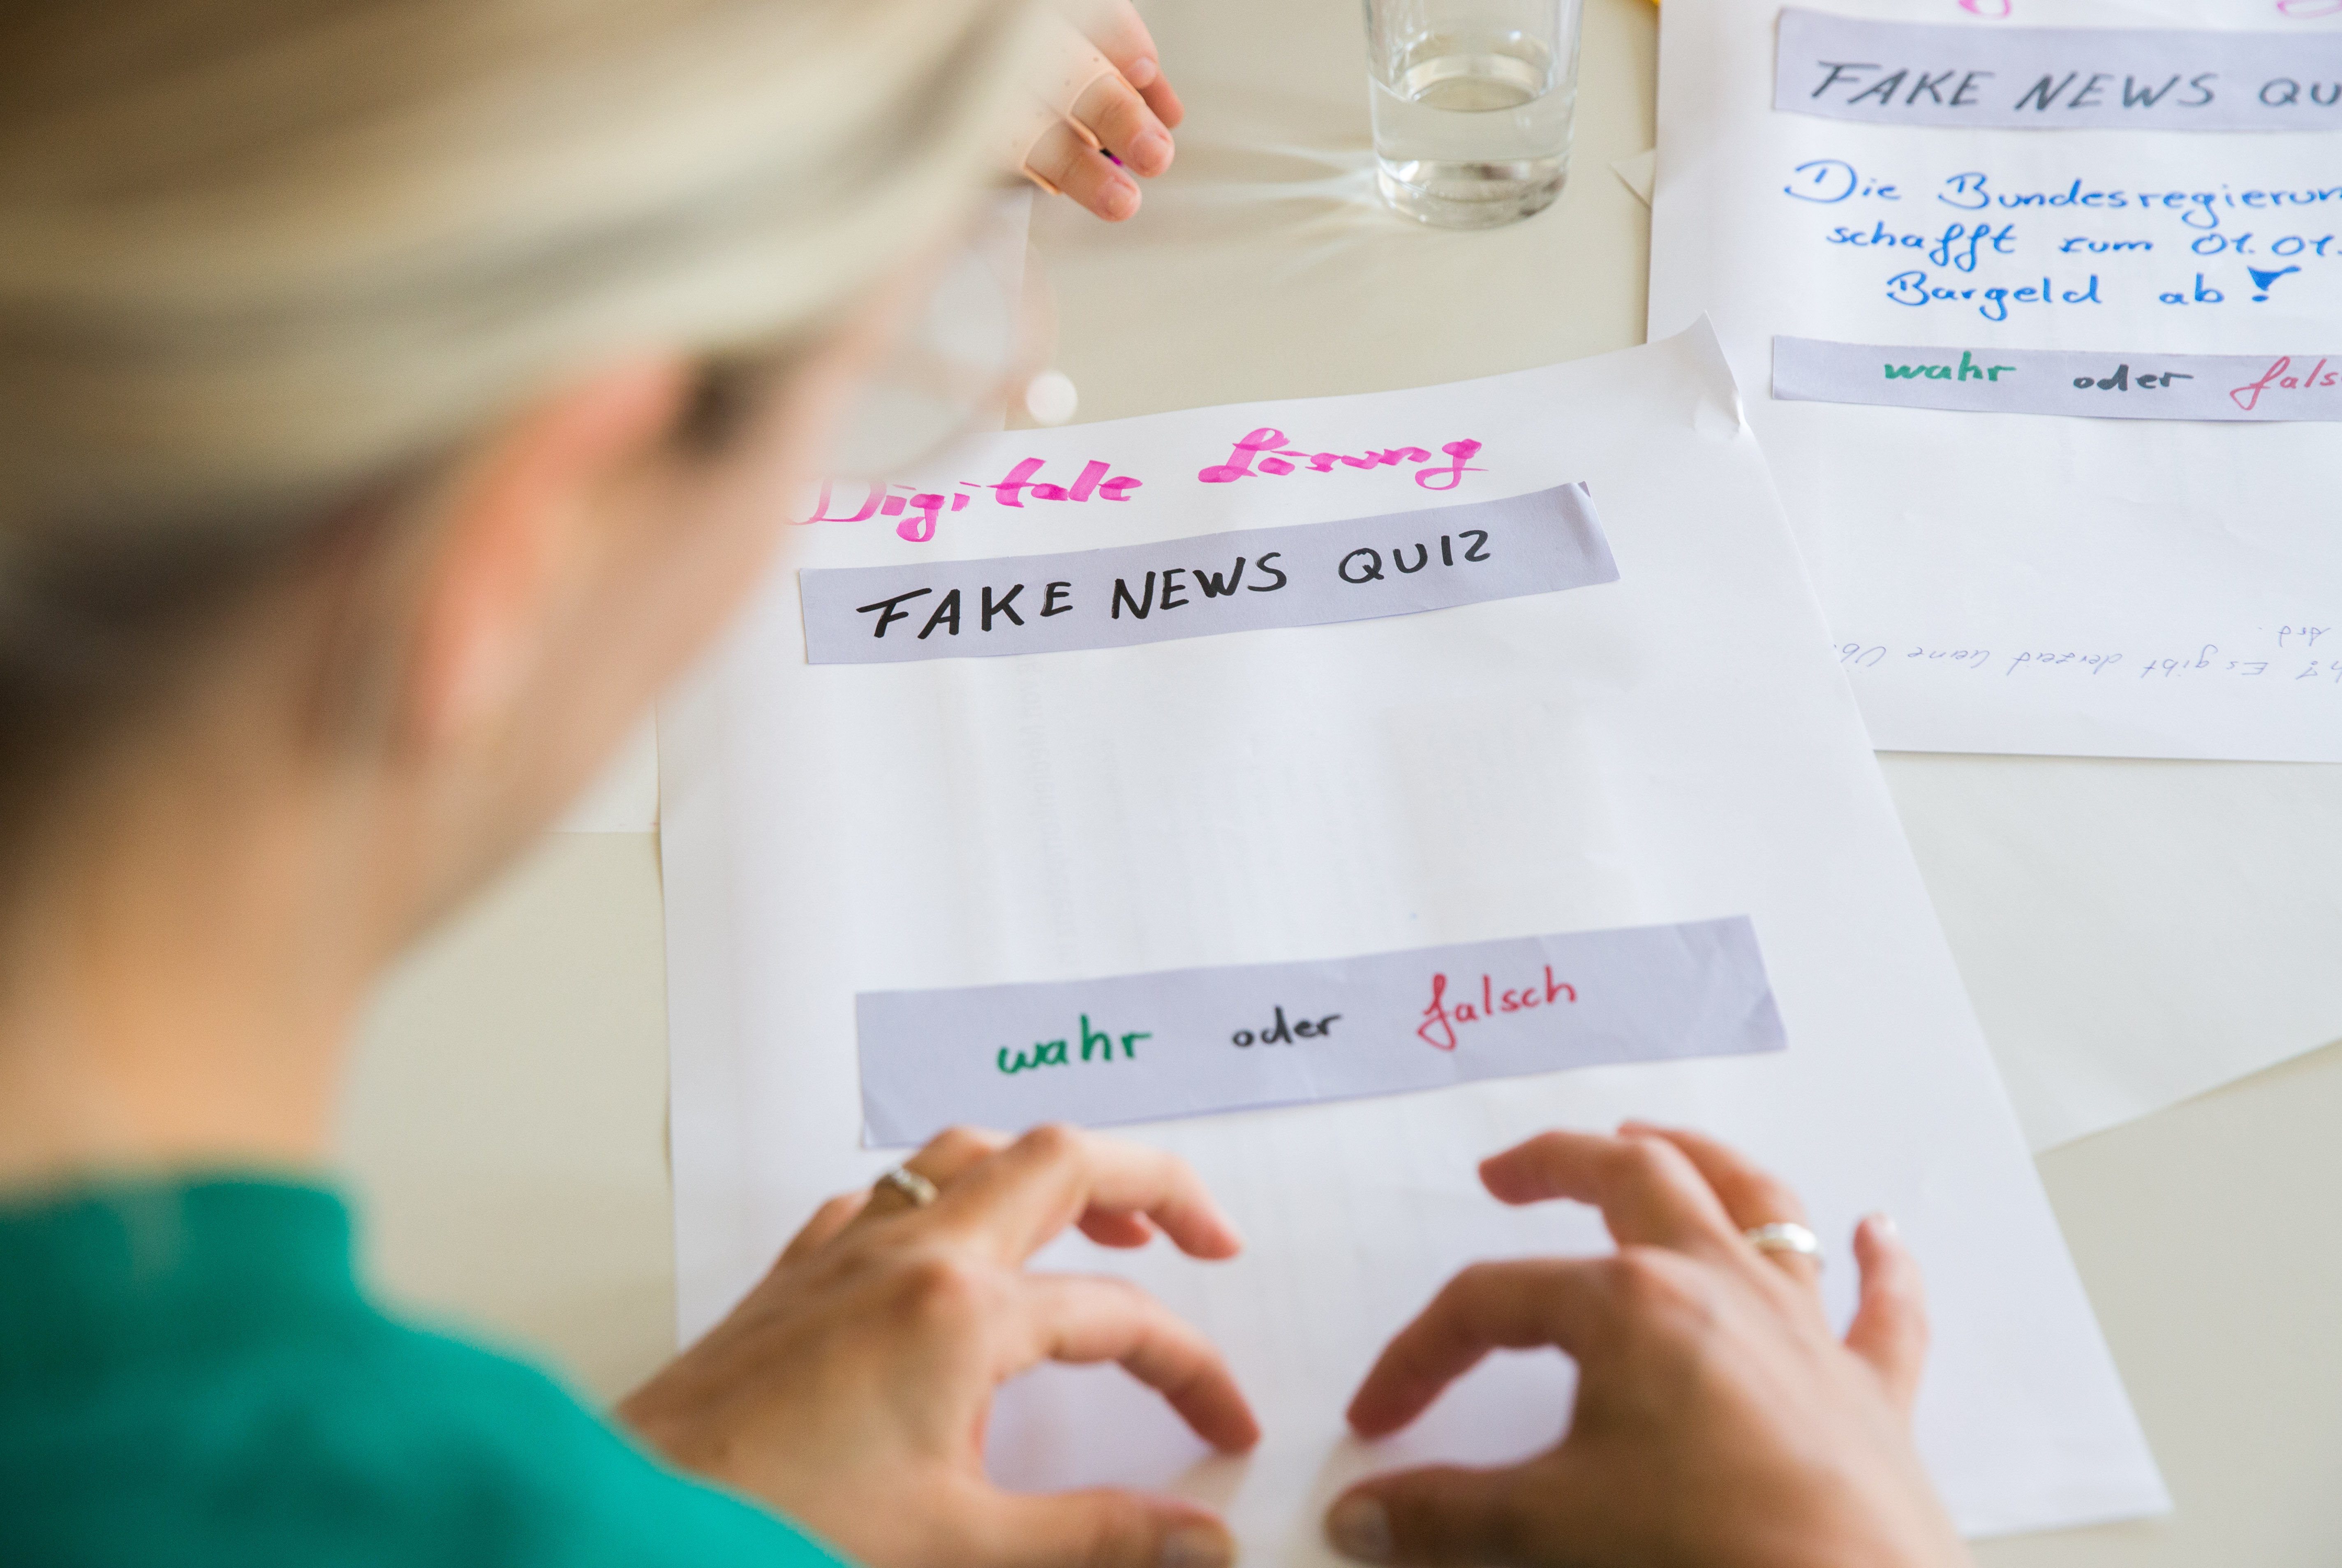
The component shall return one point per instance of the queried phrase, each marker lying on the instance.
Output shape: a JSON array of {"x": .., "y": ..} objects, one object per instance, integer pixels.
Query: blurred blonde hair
[{"x": 253, "y": 251}]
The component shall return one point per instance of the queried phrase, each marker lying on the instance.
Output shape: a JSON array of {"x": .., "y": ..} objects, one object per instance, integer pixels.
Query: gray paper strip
[
  {"x": 2095, "y": 385},
  {"x": 1312, "y": 574},
  {"x": 2057, "y": 78},
  {"x": 1184, "y": 1042}
]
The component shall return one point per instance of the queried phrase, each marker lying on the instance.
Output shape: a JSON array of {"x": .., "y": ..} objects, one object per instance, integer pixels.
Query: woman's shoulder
[
  {"x": 378, "y": 1444},
  {"x": 270, "y": 1412}
]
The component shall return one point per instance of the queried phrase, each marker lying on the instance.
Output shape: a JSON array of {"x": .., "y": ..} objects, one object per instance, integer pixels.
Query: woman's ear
[{"x": 518, "y": 521}]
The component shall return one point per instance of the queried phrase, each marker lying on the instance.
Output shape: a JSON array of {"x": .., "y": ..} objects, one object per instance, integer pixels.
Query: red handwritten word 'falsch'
[
  {"x": 1439, "y": 1019},
  {"x": 1266, "y": 451},
  {"x": 2282, "y": 377}
]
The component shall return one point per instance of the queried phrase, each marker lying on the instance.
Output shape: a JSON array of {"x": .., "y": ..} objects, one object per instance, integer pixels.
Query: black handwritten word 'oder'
[
  {"x": 1283, "y": 1033},
  {"x": 2121, "y": 380}
]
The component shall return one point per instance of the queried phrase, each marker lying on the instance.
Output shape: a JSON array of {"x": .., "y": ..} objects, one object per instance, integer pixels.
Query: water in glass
[{"x": 1473, "y": 131}]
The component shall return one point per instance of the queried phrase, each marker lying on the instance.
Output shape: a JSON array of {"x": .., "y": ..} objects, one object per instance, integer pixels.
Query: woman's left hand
[
  {"x": 1717, "y": 1419},
  {"x": 850, "y": 1389}
]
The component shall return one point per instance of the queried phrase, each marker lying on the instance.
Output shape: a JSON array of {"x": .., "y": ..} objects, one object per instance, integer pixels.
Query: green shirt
[{"x": 189, "y": 1375}]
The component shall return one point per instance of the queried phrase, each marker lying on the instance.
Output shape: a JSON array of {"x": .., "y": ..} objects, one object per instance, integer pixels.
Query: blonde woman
[{"x": 393, "y": 394}]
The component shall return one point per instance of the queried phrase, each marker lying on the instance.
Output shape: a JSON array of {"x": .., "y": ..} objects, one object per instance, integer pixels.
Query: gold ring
[{"x": 912, "y": 1186}]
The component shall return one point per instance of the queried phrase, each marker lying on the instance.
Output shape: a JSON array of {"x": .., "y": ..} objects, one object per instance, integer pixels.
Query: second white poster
[{"x": 2039, "y": 308}]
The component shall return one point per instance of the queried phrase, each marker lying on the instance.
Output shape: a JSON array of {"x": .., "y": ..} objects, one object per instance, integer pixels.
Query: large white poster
[
  {"x": 2039, "y": 304},
  {"x": 1675, "y": 746}
]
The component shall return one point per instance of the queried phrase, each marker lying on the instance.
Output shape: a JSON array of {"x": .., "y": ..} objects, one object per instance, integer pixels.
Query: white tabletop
[{"x": 506, "y": 1125}]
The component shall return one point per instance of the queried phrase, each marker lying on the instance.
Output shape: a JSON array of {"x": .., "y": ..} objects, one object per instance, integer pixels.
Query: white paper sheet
[
  {"x": 1672, "y": 746},
  {"x": 2198, "y": 954},
  {"x": 1931, "y": 533}
]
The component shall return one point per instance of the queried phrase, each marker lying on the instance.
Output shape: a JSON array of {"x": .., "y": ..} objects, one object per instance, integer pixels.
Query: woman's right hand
[
  {"x": 851, "y": 1388},
  {"x": 1718, "y": 1420},
  {"x": 1110, "y": 111}
]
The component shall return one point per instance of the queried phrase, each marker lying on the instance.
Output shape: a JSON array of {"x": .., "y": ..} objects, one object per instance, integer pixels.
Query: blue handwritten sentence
[{"x": 1954, "y": 241}]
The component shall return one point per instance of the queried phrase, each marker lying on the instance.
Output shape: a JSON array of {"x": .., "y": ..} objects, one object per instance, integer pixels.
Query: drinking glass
[{"x": 1472, "y": 105}]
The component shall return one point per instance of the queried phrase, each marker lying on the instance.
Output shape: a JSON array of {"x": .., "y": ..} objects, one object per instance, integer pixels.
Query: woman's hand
[
  {"x": 850, "y": 1389},
  {"x": 1717, "y": 1419},
  {"x": 1104, "y": 93}
]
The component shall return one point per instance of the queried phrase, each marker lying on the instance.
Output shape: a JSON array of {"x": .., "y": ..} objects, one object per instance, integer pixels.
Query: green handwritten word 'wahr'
[
  {"x": 1097, "y": 1044},
  {"x": 1966, "y": 370}
]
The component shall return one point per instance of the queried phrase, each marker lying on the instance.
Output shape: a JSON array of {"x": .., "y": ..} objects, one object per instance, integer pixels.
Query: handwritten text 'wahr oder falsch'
[
  {"x": 2092, "y": 383},
  {"x": 1192, "y": 1042}
]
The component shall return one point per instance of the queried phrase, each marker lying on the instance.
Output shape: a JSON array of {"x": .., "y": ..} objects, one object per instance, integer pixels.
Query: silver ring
[
  {"x": 913, "y": 1186},
  {"x": 1785, "y": 1236}
]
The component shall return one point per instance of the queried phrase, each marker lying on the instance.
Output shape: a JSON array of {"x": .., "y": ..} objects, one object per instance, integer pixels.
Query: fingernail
[
  {"x": 1885, "y": 1225},
  {"x": 1121, "y": 199},
  {"x": 1150, "y": 147},
  {"x": 1142, "y": 71},
  {"x": 1360, "y": 1528},
  {"x": 1195, "y": 1546}
]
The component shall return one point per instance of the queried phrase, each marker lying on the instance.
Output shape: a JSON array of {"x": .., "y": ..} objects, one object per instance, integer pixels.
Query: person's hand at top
[
  {"x": 1717, "y": 1419},
  {"x": 851, "y": 1388},
  {"x": 1102, "y": 112}
]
